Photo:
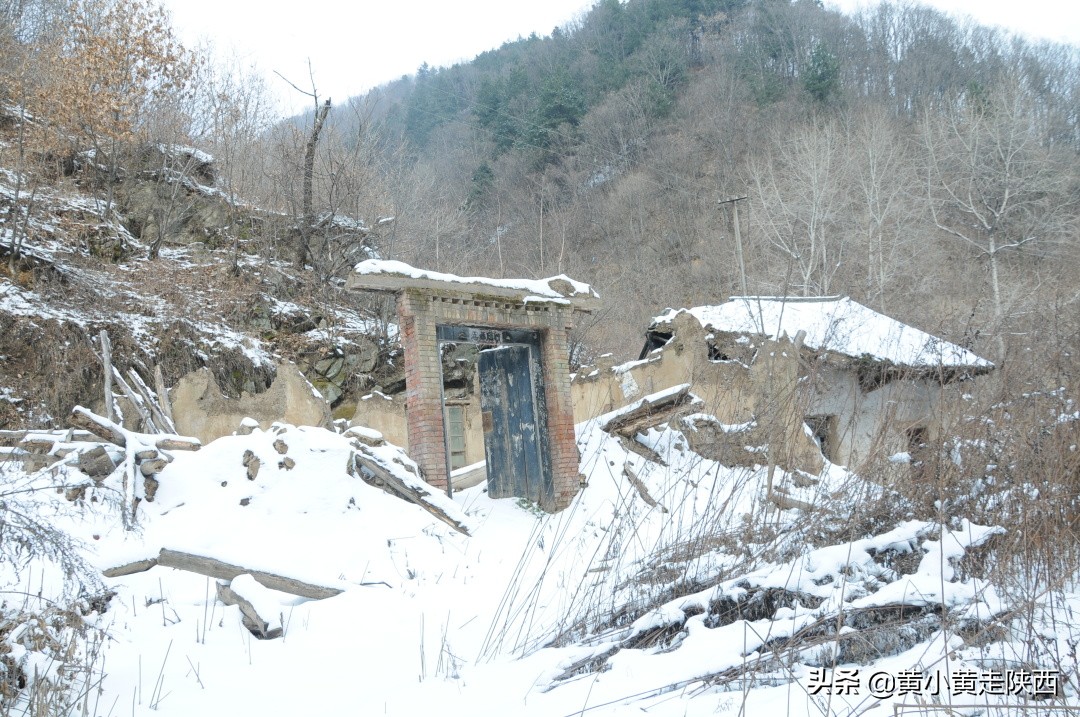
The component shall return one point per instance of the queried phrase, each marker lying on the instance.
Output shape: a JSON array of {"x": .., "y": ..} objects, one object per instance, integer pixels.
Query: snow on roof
[
  {"x": 536, "y": 289},
  {"x": 833, "y": 323}
]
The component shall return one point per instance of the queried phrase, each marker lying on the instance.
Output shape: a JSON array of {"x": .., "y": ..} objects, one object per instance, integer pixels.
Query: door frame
[{"x": 487, "y": 336}]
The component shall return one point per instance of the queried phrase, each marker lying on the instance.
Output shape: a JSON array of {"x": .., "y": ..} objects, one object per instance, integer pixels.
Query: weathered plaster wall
[
  {"x": 876, "y": 423},
  {"x": 387, "y": 415},
  {"x": 201, "y": 410},
  {"x": 733, "y": 392}
]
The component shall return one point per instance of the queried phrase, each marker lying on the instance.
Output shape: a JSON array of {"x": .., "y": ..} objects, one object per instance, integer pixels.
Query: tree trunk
[
  {"x": 308, "y": 218},
  {"x": 13, "y": 214}
]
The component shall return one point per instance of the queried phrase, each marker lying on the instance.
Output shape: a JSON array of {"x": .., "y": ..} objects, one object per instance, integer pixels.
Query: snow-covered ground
[{"x": 681, "y": 592}]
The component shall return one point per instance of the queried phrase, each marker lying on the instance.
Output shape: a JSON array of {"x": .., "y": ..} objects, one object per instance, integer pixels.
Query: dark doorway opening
[
  {"x": 513, "y": 411},
  {"x": 823, "y": 429}
]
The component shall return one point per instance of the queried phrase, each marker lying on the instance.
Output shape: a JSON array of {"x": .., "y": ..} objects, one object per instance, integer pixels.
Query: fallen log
[
  {"x": 374, "y": 473},
  {"x": 249, "y": 616},
  {"x": 138, "y": 566},
  {"x": 98, "y": 425},
  {"x": 178, "y": 443},
  {"x": 642, "y": 490},
  {"x": 105, "y": 429},
  {"x": 69, "y": 435},
  {"x": 221, "y": 570}
]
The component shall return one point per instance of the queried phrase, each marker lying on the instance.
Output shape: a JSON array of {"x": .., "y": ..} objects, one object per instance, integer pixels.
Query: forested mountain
[
  {"x": 166, "y": 235},
  {"x": 925, "y": 166}
]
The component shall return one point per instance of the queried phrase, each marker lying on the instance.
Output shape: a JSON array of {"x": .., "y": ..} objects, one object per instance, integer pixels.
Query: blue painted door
[{"x": 511, "y": 433}]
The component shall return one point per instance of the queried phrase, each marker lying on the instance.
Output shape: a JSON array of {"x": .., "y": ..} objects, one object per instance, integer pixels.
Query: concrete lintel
[{"x": 396, "y": 283}]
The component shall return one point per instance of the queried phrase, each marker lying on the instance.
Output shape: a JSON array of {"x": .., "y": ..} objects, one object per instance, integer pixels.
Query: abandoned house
[
  {"x": 799, "y": 378},
  {"x": 487, "y": 379}
]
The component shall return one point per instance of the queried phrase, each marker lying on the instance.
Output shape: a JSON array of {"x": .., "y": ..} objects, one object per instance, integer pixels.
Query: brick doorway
[
  {"x": 513, "y": 409},
  {"x": 532, "y": 315}
]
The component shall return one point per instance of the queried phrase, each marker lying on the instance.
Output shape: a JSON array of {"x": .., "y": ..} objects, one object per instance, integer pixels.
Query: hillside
[
  {"x": 925, "y": 167},
  {"x": 158, "y": 217}
]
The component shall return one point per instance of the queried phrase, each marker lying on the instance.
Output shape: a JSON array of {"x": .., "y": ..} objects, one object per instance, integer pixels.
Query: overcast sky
[{"x": 354, "y": 46}]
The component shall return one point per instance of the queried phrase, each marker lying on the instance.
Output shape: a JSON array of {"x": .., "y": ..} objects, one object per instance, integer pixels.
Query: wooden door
[{"x": 511, "y": 433}]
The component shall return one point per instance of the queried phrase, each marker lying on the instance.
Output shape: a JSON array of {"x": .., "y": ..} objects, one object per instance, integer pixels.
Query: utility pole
[{"x": 734, "y": 202}]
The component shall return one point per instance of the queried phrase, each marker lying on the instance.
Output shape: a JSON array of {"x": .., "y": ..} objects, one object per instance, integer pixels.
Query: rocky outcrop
[{"x": 201, "y": 410}]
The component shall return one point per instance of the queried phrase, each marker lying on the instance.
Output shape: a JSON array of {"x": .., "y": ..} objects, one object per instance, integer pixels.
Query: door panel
[{"x": 511, "y": 441}]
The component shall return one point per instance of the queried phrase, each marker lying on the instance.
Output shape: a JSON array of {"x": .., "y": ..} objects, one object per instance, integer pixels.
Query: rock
[
  {"x": 330, "y": 367},
  {"x": 367, "y": 353},
  {"x": 96, "y": 463},
  {"x": 367, "y": 436},
  {"x": 330, "y": 391},
  {"x": 252, "y": 464},
  {"x": 247, "y": 427}
]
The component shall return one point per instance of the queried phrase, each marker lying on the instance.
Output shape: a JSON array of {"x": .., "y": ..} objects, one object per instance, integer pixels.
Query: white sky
[{"x": 354, "y": 46}]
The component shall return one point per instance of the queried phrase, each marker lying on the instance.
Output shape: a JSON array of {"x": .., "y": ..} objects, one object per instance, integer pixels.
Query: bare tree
[
  {"x": 885, "y": 181},
  {"x": 307, "y": 213},
  {"x": 238, "y": 114},
  {"x": 993, "y": 185},
  {"x": 800, "y": 202}
]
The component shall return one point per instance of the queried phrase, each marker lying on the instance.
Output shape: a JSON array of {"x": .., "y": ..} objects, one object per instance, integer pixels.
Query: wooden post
[
  {"x": 147, "y": 422},
  {"x": 163, "y": 395},
  {"x": 734, "y": 202},
  {"x": 106, "y": 359},
  {"x": 162, "y": 421}
]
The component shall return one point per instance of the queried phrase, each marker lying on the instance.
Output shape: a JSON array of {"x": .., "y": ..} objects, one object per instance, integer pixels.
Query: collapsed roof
[{"x": 836, "y": 324}]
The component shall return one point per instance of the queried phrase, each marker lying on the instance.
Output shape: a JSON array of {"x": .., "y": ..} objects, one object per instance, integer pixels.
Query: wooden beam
[
  {"x": 251, "y": 618},
  {"x": 178, "y": 443},
  {"x": 650, "y": 412},
  {"x": 106, "y": 360},
  {"x": 163, "y": 395},
  {"x": 374, "y": 474},
  {"x": 139, "y": 566},
  {"x": 221, "y": 570},
  {"x": 98, "y": 425}
]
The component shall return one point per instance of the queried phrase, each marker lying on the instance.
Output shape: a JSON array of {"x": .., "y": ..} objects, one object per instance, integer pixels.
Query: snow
[
  {"x": 181, "y": 150},
  {"x": 694, "y": 418},
  {"x": 362, "y": 432},
  {"x": 631, "y": 407},
  {"x": 431, "y": 620},
  {"x": 535, "y": 289},
  {"x": 836, "y": 324}
]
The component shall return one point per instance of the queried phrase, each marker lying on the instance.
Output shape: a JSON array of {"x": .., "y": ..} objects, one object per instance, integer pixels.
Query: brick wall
[{"x": 419, "y": 312}]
